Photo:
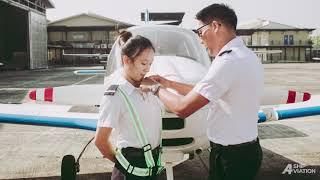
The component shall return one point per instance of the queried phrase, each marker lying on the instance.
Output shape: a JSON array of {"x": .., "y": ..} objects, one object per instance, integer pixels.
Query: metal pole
[{"x": 146, "y": 16}]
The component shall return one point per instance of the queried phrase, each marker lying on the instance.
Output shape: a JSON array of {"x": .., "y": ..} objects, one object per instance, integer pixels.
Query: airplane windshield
[
  {"x": 172, "y": 43},
  {"x": 167, "y": 41}
]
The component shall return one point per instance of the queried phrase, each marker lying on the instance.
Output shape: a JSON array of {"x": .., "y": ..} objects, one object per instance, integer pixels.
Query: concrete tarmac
[{"x": 34, "y": 152}]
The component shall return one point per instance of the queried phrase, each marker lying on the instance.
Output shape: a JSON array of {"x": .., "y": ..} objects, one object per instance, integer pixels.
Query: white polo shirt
[
  {"x": 233, "y": 86},
  {"x": 115, "y": 114}
]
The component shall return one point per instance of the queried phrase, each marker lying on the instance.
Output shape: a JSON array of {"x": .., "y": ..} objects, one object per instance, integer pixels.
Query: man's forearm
[
  {"x": 181, "y": 88},
  {"x": 170, "y": 100},
  {"x": 183, "y": 106}
]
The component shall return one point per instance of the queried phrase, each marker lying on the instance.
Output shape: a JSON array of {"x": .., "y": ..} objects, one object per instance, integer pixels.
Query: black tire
[{"x": 68, "y": 168}]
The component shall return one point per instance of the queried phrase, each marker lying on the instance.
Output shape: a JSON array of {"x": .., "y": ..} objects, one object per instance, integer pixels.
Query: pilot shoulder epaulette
[
  {"x": 225, "y": 52},
  {"x": 111, "y": 90}
]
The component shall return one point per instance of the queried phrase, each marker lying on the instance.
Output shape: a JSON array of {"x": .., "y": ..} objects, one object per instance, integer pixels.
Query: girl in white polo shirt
[{"x": 135, "y": 116}]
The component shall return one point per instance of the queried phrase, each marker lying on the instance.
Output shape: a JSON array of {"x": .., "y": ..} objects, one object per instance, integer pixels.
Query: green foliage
[{"x": 316, "y": 41}]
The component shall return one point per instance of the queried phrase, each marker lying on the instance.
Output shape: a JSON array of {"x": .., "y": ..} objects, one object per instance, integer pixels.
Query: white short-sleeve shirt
[
  {"x": 114, "y": 114},
  {"x": 233, "y": 86}
]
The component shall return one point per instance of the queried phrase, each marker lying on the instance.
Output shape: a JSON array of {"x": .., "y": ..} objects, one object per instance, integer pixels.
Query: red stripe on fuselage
[
  {"x": 291, "y": 97},
  {"x": 48, "y": 94}
]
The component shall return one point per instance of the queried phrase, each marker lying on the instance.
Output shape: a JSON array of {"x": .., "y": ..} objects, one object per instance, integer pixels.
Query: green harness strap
[{"x": 143, "y": 142}]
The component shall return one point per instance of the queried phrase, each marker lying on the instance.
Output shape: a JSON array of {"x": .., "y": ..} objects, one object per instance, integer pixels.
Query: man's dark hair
[{"x": 220, "y": 12}]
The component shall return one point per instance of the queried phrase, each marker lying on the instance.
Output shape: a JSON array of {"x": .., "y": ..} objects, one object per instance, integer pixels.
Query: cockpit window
[
  {"x": 171, "y": 44},
  {"x": 170, "y": 41}
]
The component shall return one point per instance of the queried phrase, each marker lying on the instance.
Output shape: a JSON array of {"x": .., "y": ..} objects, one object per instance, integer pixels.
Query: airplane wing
[
  {"x": 97, "y": 55},
  {"x": 62, "y": 115},
  {"x": 92, "y": 94},
  {"x": 287, "y": 111},
  {"x": 83, "y": 55},
  {"x": 90, "y": 72},
  {"x": 47, "y": 115}
]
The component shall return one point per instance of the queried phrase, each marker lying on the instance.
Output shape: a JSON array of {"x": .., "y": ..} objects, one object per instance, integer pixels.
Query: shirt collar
[
  {"x": 126, "y": 85},
  {"x": 237, "y": 41}
]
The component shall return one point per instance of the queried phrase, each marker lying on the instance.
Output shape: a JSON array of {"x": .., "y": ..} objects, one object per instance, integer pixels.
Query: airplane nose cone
[{"x": 32, "y": 95}]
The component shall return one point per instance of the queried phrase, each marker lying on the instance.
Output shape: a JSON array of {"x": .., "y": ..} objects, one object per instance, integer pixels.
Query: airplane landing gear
[
  {"x": 169, "y": 171},
  {"x": 70, "y": 167}
]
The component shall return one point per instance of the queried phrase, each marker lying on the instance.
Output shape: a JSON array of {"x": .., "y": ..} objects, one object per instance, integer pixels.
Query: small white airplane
[
  {"x": 316, "y": 58},
  {"x": 268, "y": 51},
  {"x": 179, "y": 56},
  {"x": 96, "y": 56}
]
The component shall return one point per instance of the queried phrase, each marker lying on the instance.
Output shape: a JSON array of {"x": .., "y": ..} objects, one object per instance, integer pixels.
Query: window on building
[
  {"x": 112, "y": 38},
  {"x": 259, "y": 40},
  {"x": 291, "y": 42},
  {"x": 78, "y": 36},
  {"x": 286, "y": 40}
]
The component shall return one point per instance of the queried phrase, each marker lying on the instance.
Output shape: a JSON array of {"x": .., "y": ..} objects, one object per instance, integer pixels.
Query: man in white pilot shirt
[{"x": 231, "y": 88}]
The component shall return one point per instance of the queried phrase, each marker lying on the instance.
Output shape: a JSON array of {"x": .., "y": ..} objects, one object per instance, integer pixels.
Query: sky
[{"x": 298, "y": 13}]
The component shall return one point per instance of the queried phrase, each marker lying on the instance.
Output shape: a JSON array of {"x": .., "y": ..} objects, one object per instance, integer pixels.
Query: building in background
[
  {"x": 23, "y": 33},
  {"x": 85, "y": 33},
  {"x": 162, "y": 18},
  {"x": 295, "y": 43}
]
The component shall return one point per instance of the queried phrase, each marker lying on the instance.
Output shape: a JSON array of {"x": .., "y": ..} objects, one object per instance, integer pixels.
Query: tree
[{"x": 316, "y": 41}]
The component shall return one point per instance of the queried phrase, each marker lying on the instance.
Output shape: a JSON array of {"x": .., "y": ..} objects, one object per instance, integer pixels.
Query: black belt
[
  {"x": 215, "y": 145},
  {"x": 138, "y": 152}
]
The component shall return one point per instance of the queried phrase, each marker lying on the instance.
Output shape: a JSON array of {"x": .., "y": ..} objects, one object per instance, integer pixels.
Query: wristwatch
[{"x": 155, "y": 88}]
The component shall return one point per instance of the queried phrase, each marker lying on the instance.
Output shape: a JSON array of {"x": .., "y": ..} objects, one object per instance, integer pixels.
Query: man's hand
[
  {"x": 153, "y": 89},
  {"x": 159, "y": 79},
  {"x": 181, "y": 88},
  {"x": 148, "y": 81},
  {"x": 146, "y": 84},
  {"x": 145, "y": 88}
]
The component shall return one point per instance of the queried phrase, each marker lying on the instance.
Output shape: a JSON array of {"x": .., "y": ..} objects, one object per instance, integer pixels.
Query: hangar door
[
  {"x": 14, "y": 48},
  {"x": 38, "y": 40}
]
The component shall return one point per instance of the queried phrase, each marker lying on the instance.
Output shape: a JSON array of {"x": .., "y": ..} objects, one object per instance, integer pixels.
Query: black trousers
[
  {"x": 233, "y": 162},
  {"x": 136, "y": 158}
]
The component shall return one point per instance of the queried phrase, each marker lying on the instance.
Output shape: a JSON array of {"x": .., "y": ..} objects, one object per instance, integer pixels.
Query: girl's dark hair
[{"x": 133, "y": 46}]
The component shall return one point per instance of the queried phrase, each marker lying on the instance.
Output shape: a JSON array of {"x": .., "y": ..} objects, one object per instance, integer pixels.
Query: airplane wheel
[
  {"x": 191, "y": 156},
  {"x": 68, "y": 168}
]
